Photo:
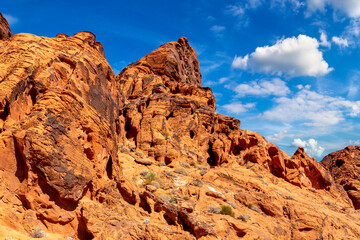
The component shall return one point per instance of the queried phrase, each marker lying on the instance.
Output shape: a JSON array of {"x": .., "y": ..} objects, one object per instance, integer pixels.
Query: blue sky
[{"x": 288, "y": 69}]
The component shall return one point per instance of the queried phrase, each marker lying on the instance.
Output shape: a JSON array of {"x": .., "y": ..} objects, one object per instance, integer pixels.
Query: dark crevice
[
  {"x": 67, "y": 61},
  {"x": 109, "y": 168},
  {"x": 240, "y": 233},
  {"x": 236, "y": 150},
  {"x": 5, "y": 113},
  {"x": 211, "y": 160},
  {"x": 21, "y": 168},
  {"x": 33, "y": 94},
  {"x": 339, "y": 162},
  {"x": 171, "y": 115},
  {"x": 82, "y": 230},
  {"x": 305, "y": 229},
  {"x": 168, "y": 220},
  {"x": 192, "y": 134},
  {"x": 131, "y": 132},
  {"x": 144, "y": 205}
]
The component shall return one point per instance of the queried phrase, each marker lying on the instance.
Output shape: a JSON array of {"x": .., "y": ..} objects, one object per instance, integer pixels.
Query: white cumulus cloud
[
  {"x": 341, "y": 42},
  {"x": 312, "y": 109},
  {"x": 349, "y": 7},
  {"x": 295, "y": 56},
  {"x": 298, "y": 143},
  {"x": 238, "y": 107},
  {"x": 311, "y": 146},
  {"x": 263, "y": 88},
  {"x": 240, "y": 62}
]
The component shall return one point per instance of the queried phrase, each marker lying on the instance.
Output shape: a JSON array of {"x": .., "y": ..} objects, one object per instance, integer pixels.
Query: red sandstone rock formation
[
  {"x": 143, "y": 155},
  {"x": 344, "y": 167},
  {"x": 5, "y": 32}
]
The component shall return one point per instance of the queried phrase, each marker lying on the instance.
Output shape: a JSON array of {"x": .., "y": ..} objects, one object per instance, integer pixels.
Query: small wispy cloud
[
  {"x": 341, "y": 42},
  {"x": 238, "y": 107},
  {"x": 262, "y": 88},
  {"x": 12, "y": 20},
  {"x": 218, "y": 30}
]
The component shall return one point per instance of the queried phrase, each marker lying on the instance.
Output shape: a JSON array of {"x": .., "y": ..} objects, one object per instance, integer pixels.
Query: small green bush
[
  {"x": 226, "y": 210},
  {"x": 149, "y": 177},
  {"x": 253, "y": 207},
  {"x": 167, "y": 136}
]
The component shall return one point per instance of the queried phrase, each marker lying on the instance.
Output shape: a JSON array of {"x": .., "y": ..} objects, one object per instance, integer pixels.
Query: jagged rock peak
[
  {"x": 5, "y": 32},
  {"x": 173, "y": 67},
  {"x": 344, "y": 167}
]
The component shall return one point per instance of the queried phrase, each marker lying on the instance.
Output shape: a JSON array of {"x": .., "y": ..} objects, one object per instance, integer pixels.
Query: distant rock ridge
[
  {"x": 86, "y": 154},
  {"x": 344, "y": 166}
]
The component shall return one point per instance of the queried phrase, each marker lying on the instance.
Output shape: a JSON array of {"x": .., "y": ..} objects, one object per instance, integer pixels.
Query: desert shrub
[
  {"x": 123, "y": 149},
  {"x": 253, "y": 207},
  {"x": 278, "y": 192},
  {"x": 167, "y": 136},
  {"x": 155, "y": 184},
  {"x": 260, "y": 176},
  {"x": 131, "y": 146},
  {"x": 38, "y": 232},
  {"x": 244, "y": 217},
  {"x": 226, "y": 210},
  {"x": 201, "y": 167},
  {"x": 167, "y": 198},
  {"x": 139, "y": 153},
  {"x": 181, "y": 170},
  {"x": 231, "y": 204},
  {"x": 144, "y": 172},
  {"x": 149, "y": 177},
  {"x": 214, "y": 209},
  {"x": 290, "y": 198},
  {"x": 184, "y": 164},
  {"x": 329, "y": 203}
]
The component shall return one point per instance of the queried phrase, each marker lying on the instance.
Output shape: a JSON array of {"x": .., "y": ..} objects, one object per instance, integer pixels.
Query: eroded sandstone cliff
[{"x": 86, "y": 154}]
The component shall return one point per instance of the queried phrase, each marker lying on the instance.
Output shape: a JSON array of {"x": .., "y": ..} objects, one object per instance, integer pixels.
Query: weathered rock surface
[
  {"x": 5, "y": 32},
  {"x": 344, "y": 166},
  {"x": 86, "y": 154}
]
